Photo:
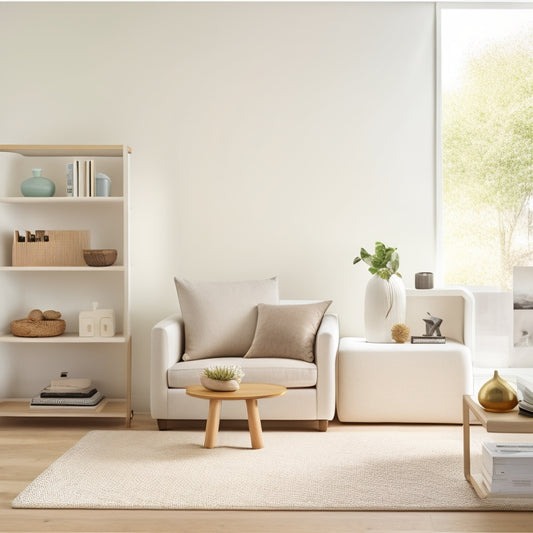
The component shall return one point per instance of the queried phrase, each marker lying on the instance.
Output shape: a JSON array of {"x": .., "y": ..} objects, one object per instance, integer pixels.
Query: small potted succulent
[{"x": 222, "y": 378}]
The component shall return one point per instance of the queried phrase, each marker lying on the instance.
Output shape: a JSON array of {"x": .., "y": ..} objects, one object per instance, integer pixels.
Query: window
[
  {"x": 485, "y": 150},
  {"x": 487, "y": 144}
]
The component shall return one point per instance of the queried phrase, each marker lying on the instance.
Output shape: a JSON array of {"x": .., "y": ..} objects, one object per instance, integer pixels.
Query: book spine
[
  {"x": 81, "y": 181},
  {"x": 93, "y": 400},
  {"x": 48, "y": 394},
  {"x": 427, "y": 340},
  {"x": 514, "y": 486},
  {"x": 76, "y": 177},
  {"x": 71, "y": 382},
  {"x": 89, "y": 178},
  {"x": 510, "y": 485},
  {"x": 72, "y": 408},
  {"x": 69, "y": 185}
]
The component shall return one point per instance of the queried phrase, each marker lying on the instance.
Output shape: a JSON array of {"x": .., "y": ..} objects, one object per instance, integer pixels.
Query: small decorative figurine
[
  {"x": 432, "y": 326},
  {"x": 432, "y": 334}
]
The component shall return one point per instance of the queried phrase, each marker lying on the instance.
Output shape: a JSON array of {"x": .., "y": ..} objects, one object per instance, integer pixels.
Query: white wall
[{"x": 268, "y": 138}]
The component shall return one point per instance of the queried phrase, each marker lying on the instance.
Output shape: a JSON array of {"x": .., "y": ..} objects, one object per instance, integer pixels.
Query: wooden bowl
[
  {"x": 100, "y": 258},
  {"x": 38, "y": 328}
]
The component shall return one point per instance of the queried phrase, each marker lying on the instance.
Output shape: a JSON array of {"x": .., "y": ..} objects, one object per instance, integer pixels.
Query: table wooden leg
[
  {"x": 466, "y": 439},
  {"x": 213, "y": 421},
  {"x": 254, "y": 424}
]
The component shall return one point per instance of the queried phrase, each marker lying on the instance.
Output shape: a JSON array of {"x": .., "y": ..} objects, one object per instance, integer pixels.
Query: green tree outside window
[{"x": 488, "y": 167}]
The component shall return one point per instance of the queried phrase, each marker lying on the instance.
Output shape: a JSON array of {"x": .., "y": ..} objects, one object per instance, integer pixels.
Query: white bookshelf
[{"x": 28, "y": 364}]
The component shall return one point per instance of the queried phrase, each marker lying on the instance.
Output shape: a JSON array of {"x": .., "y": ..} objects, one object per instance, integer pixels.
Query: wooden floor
[{"x": 28, "y": 446}]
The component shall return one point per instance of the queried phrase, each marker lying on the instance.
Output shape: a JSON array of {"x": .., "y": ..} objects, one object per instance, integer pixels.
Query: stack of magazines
[
  {"x": 525, "y": 393},
  {"x": 68, "y": 392},
  {"x": 507, "y": 468}
]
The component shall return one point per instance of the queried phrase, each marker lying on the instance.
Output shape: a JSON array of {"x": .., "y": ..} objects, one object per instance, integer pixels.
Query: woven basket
[{"x": 40, "y": 328}]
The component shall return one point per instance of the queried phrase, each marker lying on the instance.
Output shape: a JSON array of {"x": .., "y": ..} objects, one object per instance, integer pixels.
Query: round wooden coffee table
[{"x": 250, "y": 392}]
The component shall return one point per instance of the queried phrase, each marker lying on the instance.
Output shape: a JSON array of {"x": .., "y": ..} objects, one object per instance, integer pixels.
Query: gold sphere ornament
[
  {"x": 497, "y": 396},
  {"x": 400, "y": 333}
]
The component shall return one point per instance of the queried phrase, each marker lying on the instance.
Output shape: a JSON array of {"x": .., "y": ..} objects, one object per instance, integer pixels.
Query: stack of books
[
  {"x": 68, "y": 392},
  {"x": 80, "y": 178},
  {"x": 507, "y": 468},
  {"x": 525, "y": 393}
]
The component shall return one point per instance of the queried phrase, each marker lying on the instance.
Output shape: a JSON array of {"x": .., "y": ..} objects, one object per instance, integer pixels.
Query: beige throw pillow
[
  {"x": 287, "y": 331},
  {"x": 220, "y": 318}
]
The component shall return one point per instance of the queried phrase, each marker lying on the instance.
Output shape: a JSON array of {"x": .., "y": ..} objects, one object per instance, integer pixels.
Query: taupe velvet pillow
[
  {"x": 220, "y": 317},
  {"x": 287, "y": 331}
]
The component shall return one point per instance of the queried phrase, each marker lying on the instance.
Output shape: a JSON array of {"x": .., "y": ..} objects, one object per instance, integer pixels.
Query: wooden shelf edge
[
  {"x": 90, "y": 200},
  {"x": 117, "y": 268},
  {"x": 20, "y": 407},
  {"x": 507, "y": 422},
  {"x": 58, "y": 150},
  {"x": 64, "y": 338}
]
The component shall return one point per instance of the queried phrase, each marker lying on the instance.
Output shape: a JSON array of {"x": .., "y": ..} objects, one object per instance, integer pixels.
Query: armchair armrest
[
  {"x": 167, "y": 345},
  {"x": 327, "y": 343}
]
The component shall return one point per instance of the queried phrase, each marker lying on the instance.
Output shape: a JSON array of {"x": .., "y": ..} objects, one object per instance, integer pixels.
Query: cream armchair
[{"x": 310, "y": 385}]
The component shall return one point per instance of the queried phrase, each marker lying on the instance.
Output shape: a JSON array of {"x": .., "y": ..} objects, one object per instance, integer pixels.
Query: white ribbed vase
[{"x": 384, "y": 307}]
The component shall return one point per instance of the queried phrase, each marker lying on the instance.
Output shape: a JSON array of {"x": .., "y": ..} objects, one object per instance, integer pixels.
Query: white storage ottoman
[
  {"x": 416, "y": 383},
  {"x": 412, "y": 383}
]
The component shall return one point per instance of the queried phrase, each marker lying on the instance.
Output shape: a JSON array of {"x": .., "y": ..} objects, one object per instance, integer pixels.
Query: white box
[{"x": 97, "y": 323}]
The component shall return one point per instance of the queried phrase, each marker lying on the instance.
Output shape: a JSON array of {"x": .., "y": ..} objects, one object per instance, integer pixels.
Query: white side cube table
[
  {"x": 411, "y": 383},
  {"x": 404, "y": 383}
]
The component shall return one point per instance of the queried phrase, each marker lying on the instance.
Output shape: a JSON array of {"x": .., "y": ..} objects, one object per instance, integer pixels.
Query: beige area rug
[{"x": 338, "y": 470}]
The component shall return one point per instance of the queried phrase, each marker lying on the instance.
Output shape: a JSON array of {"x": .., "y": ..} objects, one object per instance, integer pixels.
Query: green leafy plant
[
  {"x": 384, "y": 262},
  {"x": 224, "y": 373}
]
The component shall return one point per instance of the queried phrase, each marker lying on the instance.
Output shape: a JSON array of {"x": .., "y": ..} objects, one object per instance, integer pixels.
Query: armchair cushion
[
  {"x": 220, "y": 318},
  {"x": 288, "y": 372},
  {"x": 287, "y": 331}
]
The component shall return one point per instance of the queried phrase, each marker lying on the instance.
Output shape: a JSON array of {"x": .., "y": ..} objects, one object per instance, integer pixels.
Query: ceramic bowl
[{"x": 218, "y": 385}]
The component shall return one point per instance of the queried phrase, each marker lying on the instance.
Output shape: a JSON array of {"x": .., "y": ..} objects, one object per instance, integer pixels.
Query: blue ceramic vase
[{"x": 37, "y": 185}]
